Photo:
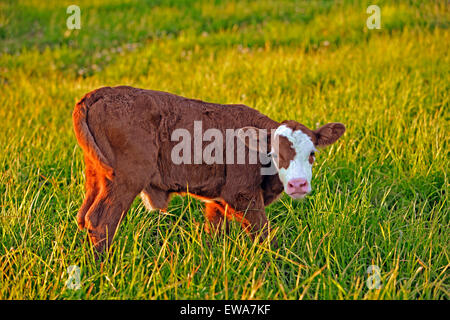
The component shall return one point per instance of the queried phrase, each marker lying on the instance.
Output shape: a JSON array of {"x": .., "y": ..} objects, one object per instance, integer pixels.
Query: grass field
[{"x": 380, "y": 195}]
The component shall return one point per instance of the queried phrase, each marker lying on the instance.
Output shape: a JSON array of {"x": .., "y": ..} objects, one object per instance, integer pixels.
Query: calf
[{"x": 127, "y": 135}]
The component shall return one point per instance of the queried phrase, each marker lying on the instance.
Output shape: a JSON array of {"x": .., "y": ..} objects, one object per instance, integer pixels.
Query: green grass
[{"x": 380, "y": 194}]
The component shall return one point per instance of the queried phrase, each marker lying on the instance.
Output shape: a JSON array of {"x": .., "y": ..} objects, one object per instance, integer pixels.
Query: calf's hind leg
[
  {"x": 92, "y": 190},
  {"x": 109, "y": 208}
]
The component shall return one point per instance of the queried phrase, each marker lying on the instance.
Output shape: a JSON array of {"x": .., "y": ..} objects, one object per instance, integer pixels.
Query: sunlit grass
[{"x": 380, "y": 195}]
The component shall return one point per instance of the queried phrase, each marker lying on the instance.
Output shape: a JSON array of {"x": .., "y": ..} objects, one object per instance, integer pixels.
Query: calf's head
[
  {"x": 293, "y": 147},
  {"x": 293, "y": 150}
]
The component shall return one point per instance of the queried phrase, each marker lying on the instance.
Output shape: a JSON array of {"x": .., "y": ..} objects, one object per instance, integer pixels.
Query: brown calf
[{"x": 127, "y": 138}]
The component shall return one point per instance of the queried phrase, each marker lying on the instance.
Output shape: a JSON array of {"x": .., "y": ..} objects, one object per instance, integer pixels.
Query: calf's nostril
[{"x": 297, "y": 185}]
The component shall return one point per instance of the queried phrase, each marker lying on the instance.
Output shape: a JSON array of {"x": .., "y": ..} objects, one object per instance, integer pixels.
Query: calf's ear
[
  {"x": 329, "y": 134},
  {"x": 254, "y": 138}
]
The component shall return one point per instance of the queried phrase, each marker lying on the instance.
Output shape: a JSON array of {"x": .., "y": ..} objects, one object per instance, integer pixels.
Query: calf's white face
[
  {"x": 296, "y": 177},
  {"x": 293, "y": 148},
  {"x": 293, "y": 151}
]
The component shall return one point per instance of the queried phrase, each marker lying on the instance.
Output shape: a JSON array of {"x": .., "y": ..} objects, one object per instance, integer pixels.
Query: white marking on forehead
[
  {"x": 300, "y": 140},
  {"x": 299, "y": 167}
]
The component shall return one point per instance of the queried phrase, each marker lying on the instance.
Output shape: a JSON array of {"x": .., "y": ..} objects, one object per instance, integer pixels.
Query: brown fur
[
  {"x": 284, "y": 158},
  {"x": 125, "y": 135}
]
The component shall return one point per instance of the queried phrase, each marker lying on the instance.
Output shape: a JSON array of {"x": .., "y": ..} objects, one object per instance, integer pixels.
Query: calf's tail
[{"x": 86, "y": 139}]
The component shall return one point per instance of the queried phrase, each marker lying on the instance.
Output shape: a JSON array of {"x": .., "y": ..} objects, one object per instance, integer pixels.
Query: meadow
[{"x": 380, "y": 195}]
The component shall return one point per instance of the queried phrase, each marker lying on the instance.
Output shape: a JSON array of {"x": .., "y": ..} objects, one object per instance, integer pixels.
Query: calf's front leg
[{"x": 249, "y": 211}]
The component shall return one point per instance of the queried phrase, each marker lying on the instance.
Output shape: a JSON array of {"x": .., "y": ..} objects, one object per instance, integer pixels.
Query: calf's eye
[{"x": 311, "y": 157}]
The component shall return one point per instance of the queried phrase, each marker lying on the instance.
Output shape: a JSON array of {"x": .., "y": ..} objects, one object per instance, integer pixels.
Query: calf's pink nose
[{"x": 298, "y": 185}]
